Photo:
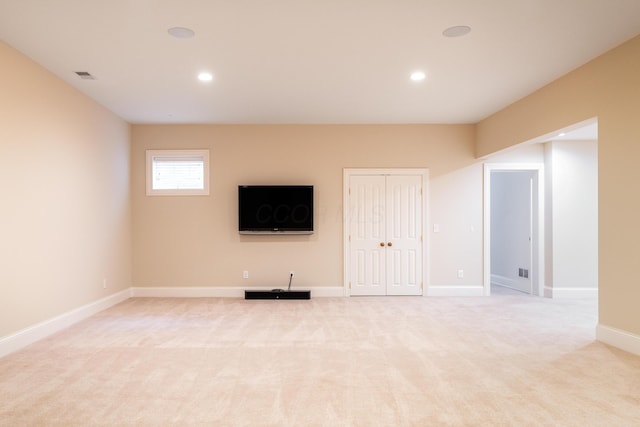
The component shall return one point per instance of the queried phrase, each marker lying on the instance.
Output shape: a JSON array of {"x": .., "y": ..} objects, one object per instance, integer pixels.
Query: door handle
[
  {"x": 382, "y": 244},
  {"x": 389, "y": 244}
]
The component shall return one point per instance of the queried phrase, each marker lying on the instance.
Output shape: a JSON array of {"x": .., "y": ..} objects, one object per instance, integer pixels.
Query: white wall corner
[
  {"x": 618, "y": 338},
  {"x": 27, "y": 336}
]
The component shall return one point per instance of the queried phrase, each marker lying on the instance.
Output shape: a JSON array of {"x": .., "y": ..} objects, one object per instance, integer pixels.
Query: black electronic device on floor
[{"x": 278, "y": 293}]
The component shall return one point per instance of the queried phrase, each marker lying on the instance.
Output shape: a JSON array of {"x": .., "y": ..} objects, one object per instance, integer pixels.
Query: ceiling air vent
[{"x": 85, "y": 75}]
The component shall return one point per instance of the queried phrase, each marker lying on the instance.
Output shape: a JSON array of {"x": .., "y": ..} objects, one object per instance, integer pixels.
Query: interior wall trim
[
  {"x": 223, "y": 291},
  {"x": 503, "y": 281},
  {"x": 31, "y": 334},
  {"x": 454, "y": 291},
  {"x": 560, "y": 292},
  {"x": 623, "y": 340}
]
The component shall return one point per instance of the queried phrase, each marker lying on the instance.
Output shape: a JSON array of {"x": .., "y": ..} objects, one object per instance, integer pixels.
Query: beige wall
[
  {"x": 193, "y": 241},
  {"x": 607, "y": 88},
  {"x": 64, "y": 179}
]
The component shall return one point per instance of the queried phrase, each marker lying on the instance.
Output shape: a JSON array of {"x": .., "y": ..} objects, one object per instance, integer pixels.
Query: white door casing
[
  {"x": 537, "y": 274},
  {"x": 384, "y": 222},
  {"x": 512, "y": 218}
]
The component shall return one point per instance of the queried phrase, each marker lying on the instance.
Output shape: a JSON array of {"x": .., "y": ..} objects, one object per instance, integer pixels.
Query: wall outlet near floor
[
  {"x": 245, "y": 274},
  {"x": 460, "y": 274},
  {"x": 292, "y": 274},
  {"x": 104, "y": 283}
]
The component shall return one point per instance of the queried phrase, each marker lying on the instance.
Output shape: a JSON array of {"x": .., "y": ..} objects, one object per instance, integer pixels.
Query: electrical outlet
[
  {"x": 460, "y": 274},
  {"x": 104, "y": 283},
  {"x": 245, "y": 274},
  {"x": 292, "y": 273}
]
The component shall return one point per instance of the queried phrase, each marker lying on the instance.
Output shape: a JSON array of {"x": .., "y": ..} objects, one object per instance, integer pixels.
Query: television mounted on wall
[{"x": 275, "y": 209}]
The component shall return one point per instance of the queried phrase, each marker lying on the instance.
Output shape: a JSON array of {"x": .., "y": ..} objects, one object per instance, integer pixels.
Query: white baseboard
[
  {"x": 222, "y": 291},
  {"x": 575, "y": 293},
  {"x": 454, "y": 291},
  {"x": 618, "y": 338},
  {"x": 186, "y": 292},
  {"x": 27, "y": 336},
  {"x": 503, "y": 281},
  {"x": 328, "y": 291},
  {"x": 507, "y": 282}
]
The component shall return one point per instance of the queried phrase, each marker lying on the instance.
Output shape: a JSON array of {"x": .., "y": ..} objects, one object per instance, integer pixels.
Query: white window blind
[{"x": 177, "y": 172}]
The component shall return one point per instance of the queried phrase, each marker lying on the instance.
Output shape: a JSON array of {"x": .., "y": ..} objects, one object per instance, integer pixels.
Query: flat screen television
[{"x": 275, "y": 209}]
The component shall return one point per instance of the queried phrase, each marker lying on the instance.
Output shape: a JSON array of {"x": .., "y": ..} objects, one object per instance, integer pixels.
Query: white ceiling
[{"x": 313, "y": 61}]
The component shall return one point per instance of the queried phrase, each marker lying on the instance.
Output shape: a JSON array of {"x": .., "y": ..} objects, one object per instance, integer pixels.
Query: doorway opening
[
  {"x": 564, "y": 236},
  {"x": 514, "y": 227}
]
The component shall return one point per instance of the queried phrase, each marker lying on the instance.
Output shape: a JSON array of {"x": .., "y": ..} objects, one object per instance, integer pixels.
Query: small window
[{"x": 177, "y": 172}]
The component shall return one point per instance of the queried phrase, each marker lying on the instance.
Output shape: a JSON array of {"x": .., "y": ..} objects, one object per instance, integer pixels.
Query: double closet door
[{"x": 384, "y": 237}]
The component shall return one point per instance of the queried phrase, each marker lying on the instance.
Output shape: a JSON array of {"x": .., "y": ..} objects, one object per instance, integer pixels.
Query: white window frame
[{"x": 187, "y": 155}]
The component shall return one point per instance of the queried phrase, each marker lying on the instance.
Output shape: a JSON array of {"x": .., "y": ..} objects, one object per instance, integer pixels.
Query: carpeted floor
[{"x": 505, "y": 360}]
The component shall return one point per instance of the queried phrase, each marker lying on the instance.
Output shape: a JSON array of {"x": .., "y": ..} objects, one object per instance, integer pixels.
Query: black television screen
[{"x": 269, "y": 209}]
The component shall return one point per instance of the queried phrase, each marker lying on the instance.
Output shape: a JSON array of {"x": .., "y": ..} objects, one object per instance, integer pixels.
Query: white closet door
[
  {"x": 367, "y": 239},
  {"x": 385, "y": 240},
  {"x": 404, "y": 235}
]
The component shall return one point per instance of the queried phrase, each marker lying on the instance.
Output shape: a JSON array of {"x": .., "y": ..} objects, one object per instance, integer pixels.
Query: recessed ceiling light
[
  {"x": 457, "y": 31},
  {"x": 561, "y": 134},
  {"x": 181, "y": 32},
  {"x": 205, "y": 77},
  {"x": 417, "y": 76}
]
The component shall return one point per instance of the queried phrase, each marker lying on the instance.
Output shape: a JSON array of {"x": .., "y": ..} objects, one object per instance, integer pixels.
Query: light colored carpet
[{"x": 507, "y": 360}]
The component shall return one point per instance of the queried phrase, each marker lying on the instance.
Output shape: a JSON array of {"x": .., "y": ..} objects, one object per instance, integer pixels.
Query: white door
[
  {"x": 385, "y": 234},
  {"x": 404, "y": 235}
]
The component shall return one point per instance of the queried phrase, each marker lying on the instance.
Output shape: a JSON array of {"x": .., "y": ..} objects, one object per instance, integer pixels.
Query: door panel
[
  {"x": 404, "y": 225},
  {"x": 368, "y": 258},
  {"x": 385, "y": 223}
]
